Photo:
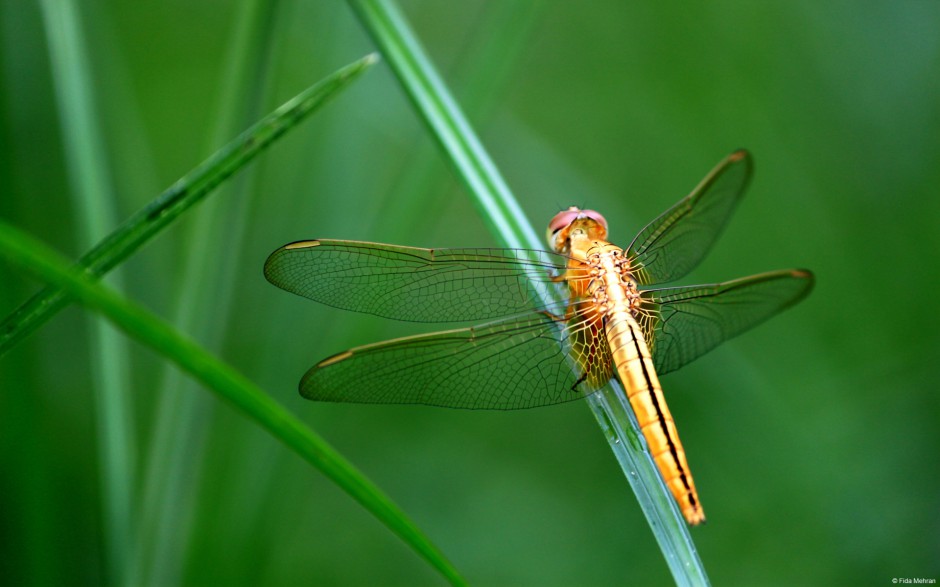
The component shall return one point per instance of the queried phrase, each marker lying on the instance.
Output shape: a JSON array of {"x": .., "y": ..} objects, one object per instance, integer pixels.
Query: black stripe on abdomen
[{"x": 662, "y": 421}]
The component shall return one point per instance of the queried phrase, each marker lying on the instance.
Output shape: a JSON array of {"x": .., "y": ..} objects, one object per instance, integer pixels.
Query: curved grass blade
[
  {"x": 499, "y": 208},
  {"x": 36, "y": 258},
  {"x": 182, "y": 195}
]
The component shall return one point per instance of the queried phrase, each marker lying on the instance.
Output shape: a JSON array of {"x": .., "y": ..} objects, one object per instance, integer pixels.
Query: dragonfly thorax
[{"x": 612, "y": 288}]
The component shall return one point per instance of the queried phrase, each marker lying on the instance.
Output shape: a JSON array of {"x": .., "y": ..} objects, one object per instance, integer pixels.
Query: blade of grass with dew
[
  {"x": 476, "y": 170},
  {"x": 182, "y": 195},
  {"x": 94, "y": 199},
  {"x": 39, "y": 260}
]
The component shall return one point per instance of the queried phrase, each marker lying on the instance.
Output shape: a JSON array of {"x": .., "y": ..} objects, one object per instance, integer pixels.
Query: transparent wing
[
  {"x": 673, "y": 244},
  {"x": 418, "y": 285},
  {"x": 684, "y": 323},
  {"x": 515, "y": 363}
]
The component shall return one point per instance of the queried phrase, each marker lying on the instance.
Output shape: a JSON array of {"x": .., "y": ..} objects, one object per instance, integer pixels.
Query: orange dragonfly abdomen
[
  {"x": 635, "y": 370},
  {"x": 614, "y": 295}
]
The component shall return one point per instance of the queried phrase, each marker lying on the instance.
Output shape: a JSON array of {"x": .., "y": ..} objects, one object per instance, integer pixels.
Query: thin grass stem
[
  {"x": 212, "y": 242},
  {"x": 94, "y": 199}
]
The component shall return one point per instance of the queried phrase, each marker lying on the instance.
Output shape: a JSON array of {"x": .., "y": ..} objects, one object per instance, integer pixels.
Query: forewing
[
  {"x": 419, "y": 285},
  {"x": 687, "y": 322},
  {"x": 510, "y": 364},
  {"x": 674, "y": 243}
]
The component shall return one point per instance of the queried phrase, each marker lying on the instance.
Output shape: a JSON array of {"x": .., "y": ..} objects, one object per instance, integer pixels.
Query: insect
[{"x": 559, "y": 325}]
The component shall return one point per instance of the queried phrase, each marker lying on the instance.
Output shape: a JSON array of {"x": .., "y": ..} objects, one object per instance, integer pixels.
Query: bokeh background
[{"x": 813, "y": 439}]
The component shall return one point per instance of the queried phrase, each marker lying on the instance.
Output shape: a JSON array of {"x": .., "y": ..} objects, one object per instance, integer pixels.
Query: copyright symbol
[{"x": 894, "y": 580}]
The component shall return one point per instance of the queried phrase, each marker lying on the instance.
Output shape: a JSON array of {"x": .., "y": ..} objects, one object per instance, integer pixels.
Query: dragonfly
[{"x": 556, "y": 326}]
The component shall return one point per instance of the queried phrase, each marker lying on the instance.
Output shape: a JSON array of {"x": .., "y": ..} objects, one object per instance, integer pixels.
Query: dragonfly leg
[
  {"x": 579, "y": 381},
  {"x": 569, "y": 314},
  {"x": 556, "y": 317}
]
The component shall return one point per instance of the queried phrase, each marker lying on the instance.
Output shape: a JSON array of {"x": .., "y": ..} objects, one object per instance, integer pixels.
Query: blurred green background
[{"x": 813, "y": 439}]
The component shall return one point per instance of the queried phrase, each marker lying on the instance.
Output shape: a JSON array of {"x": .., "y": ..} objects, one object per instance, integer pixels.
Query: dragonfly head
[{"x": 575, "y": 223}]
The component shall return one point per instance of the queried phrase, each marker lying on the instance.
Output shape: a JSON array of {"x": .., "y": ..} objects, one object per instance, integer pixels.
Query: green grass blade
[
  {"x": 94, "y": 199},
  {"x": 506, "y": 220},
  {"x": 182, "y": 195},
  {"x": 36, "y": 258}
]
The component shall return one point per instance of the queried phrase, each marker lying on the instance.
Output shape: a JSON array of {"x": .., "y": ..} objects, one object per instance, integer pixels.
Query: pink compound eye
[{"x": 563, "y": 219}]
